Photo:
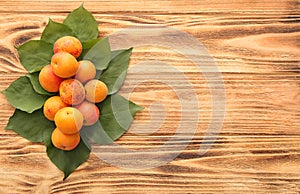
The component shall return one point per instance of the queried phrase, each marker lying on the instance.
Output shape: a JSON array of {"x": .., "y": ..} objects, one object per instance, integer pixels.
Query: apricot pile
[{"x": 76, "y": 90}]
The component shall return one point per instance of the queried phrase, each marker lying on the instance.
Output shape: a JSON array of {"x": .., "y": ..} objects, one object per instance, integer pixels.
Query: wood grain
[{"x": 256, "y": 47}]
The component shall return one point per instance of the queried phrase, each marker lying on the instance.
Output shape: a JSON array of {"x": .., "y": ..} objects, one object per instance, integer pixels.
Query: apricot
[
  {"x": 90, "y": 113},
  {"x": 95, "y": 91},
  {"x": 68, "y": 120},
  {"x": 65, "y": 141},
  {"x": 64, "y": 64},
  {"x": 68, "y": 44},
  {"x": 86, "y": 71},
  {"x": 52, "y": 105},
  {"x": 72, "y": 91},
  {"x": 49, "y": 80}
]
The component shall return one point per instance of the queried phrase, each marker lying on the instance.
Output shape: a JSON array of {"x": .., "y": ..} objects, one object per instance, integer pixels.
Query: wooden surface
[{"x": 256, "y": 45}]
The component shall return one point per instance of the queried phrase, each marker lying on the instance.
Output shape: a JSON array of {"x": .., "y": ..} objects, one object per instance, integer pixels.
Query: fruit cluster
[{"x": 78, "y": 91}]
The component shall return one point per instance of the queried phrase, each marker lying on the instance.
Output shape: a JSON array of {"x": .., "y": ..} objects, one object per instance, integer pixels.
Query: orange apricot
[
  {"x": 68, "y": 120},
  {"x": 52, "y": 105},
  {"x": 95, "y": 91},
  {"x": 65, "y": 141},
  {"x": 90, "y": 113},
  {"x": 86, "y": 71},
  {"x": 72, "y": 91},
  {"x": 68, "y": 44},
  {"x": 64, "y": 64},
  {"x": 49, "y": 80}
]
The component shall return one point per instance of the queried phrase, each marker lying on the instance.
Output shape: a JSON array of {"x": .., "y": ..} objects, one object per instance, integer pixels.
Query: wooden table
[{"x": 255, "y": 45}]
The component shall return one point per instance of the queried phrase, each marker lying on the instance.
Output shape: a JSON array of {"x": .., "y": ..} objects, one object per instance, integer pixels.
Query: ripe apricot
[
  {"x": 90, "y": 113},
  {"x": 49, "y": 80},
  {"x": 68, "y": 44},
  {"x": 95, "y": 91},
  {"x": 72, "y": 91},
  {"x": 64, "y": 64},
  {"x": 65, "y": 141},
  {"x": 69, "y": 120},
  {"x": 52, "y": 105},
  {"x": 86, "y": 71}
]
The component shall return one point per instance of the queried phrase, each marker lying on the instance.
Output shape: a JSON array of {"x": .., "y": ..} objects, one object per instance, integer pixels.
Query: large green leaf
[
  {"x": 35, "y": 54},
  {"x": 34, "y": 127},
  {"x": 116, "y": 71},
  {"x": 117, "y": 113},
  {"x": 54, "y": 31},
  {"x": 86, "y": 46},
  {"x": 22, "y": 96},
  {"x": 99, "y": 53},
  {"x": 95, "y": 133},
  {"x": 67, "y": 161},
  {"x": 34, "y": 79},
  {"x": 90, "y": 43},
  {"x": 83, "y": 24},
  {"x": 116, "y": 53}
]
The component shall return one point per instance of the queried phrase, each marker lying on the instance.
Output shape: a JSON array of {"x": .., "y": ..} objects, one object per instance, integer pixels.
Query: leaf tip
[
  {"x": 81, "y": 7},
  {"x": 4, "y": 92},
  {"x": 50, "y": 21},
  {"x": 16, "y": 46},
  {"x": 66, "y": 175},
  {"x": 140, "y": 108}
]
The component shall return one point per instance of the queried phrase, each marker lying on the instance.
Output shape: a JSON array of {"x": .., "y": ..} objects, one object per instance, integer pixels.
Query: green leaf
[
  {"x": 54, "y": 31},
  {"x": 21, "y": 95},
  {"x": 67, "y": 161},
  {"x": 117, "y": 113},
  {"x": 83, "y": 24},
  {"x": 34, "y": 79},
  {"x": 32, "y": 126},
  {"x": 116, "y": 71},
  {"x": 86, "y": 46},
  {"x": 116, "y": 53},
  {"x": 35, "y": 54},
  {"x": 95, "y": 133},
  {"x": 99, "y": 53},
  {"x": 89, "y": 44}
]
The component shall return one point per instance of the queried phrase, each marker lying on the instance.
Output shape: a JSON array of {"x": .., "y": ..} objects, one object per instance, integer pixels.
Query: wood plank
[
  {"x": 256, "y": 47},
  {"x": 165, "y": 6}
]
